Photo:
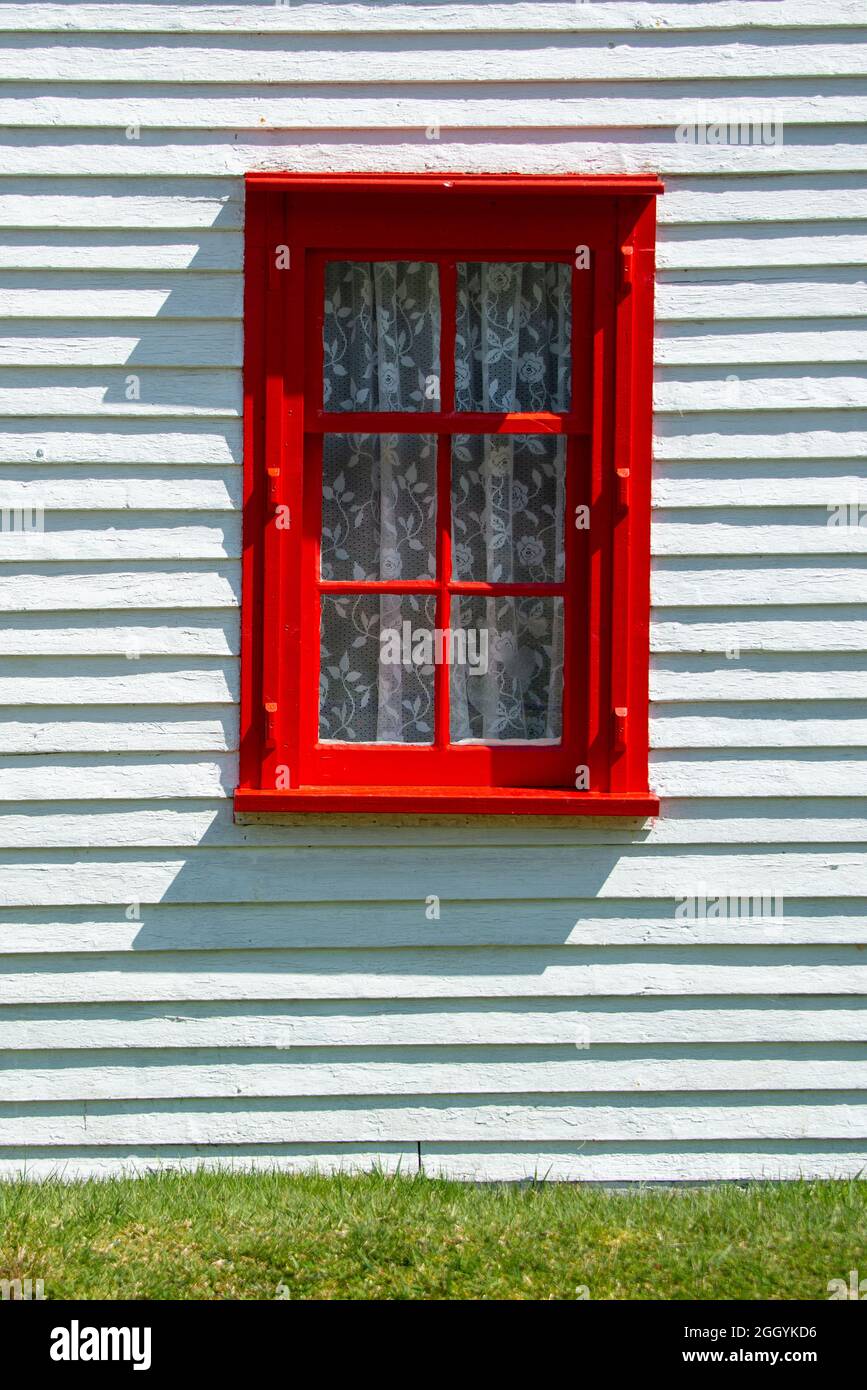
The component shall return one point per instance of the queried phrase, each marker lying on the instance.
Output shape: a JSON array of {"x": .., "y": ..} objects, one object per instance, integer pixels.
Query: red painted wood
[
  {"x": 433, "y": 586},
  {"x": 276, "y": 382},
  {"x": 448, "y": 218},
  {"x": 527, "y": 184},
  {"x": 523, "y": 801},
  {"x": 254, "y": 415},
  {"x": 448, "y": 316},
  {"x": 432, "y": 422},
  {"x": 644, "y": 237}
]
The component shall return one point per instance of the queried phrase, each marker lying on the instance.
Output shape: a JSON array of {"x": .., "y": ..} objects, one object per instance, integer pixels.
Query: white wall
[{"x": 283, "y": 996}]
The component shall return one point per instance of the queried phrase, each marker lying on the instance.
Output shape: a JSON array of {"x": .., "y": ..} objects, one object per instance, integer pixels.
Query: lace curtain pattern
[
  {"x": 514, "y": 336},
  {"x": 508, "y": 496},
  {"x": 381, "y": 336},
  {"x": 363, "y": 699},
  {"x": 379, "y": 500},
  {"x": 520, "y": 697},
  {"x": 379, "y": 506}
]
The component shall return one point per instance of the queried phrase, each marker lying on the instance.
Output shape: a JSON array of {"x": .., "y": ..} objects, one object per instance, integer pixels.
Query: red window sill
[{"x": 506, "y": 801}]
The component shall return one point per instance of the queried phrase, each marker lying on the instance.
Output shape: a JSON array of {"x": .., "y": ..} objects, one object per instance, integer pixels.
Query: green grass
[{"x": 235, "y": 1235}]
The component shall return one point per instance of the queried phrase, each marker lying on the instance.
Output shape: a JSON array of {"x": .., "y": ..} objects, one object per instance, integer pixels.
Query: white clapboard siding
[
  {"x": 531, "y": 974},
  {"x": 424, "y": 55},
  {"x": 767, "y": 724},
  {"x": 763, "y": 388},
  {"x": 117, "y": 250},
  {"x": 170, "y": 926},
  {"x": 831, "y": 483},
  {"x": 130, "y": 680},
  {"x": 177, "y": 988},
  {"x": 585, "y": 1119},
  {"x": 103, "y": 586},
  {"x": 797, "y": 434},
  {"x": 752, "y": 584},
  {"x": 300, "y": 875},
  {"x": 183, "y": 823},
  {"x": 755, "y": 201},
  {"x": 46, "y": 294},
  {"x": 598, "y": 105},
  {"x": 757, "y": 676},
  {"x": 136, "y": 344},
  {"x": 823, "y": 628},
  {"x": 459, "y": 1162},
  {"x": 479, "y": 1071},
  {"x": 209, "y": 728},
  {"x": 72, "y": 391},
  {"x": 109, "y": 489},
  {"x": 585, "y": 1023},
  {"x": 747, "y": 531},
  {"x": 102, "y": 634},
  {"x": 606, "y": 1162},
  {"x": 734, "y": 345},
  {"x": 121, "y": 440},
  {"x": 102, "y": 204},
  {"x": 568, "y": 1162},
  {"x": 458, "y": 18}
]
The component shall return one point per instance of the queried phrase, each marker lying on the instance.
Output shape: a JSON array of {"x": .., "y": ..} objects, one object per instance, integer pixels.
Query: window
[{"x": 447, "y": 478}]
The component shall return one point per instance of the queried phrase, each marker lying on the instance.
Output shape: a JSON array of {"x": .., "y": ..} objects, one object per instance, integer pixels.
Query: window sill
[{"x": 507, "y": 801}]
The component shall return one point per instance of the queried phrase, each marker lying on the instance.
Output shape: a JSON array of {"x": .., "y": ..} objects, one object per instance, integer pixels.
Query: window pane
[
  {"x": 381, "y": 336},
  {"x": 378, "y": 506},
  {"x": 519, "y": 697},
  {"x": 377, "y": 675},
  {"x": 508, "y": 497},
  {"x": 514, "y": 336}
]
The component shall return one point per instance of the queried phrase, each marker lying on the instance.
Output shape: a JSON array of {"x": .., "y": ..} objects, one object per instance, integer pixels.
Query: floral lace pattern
[
  {"x": 508, "y": 498},
  {"x": 363, "y": 699},
  {"x": 381, "y": 336},
  {"x": 520, "y": 698},
  {"x": 514, "y": 335},
  {"x": 378, "y": 506}
]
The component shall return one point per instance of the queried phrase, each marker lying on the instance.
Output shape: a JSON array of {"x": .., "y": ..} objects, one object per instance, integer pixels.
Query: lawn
[{"x": 235, "y": 1235}]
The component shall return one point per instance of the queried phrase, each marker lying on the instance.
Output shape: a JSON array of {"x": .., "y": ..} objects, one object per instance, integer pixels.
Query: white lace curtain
[
  {"x": 382, "y": 352},
  {"x": 381, "y": 336}
]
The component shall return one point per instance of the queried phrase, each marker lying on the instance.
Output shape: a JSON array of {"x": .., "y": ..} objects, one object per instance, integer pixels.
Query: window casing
[{"x": 368, "y": 244}]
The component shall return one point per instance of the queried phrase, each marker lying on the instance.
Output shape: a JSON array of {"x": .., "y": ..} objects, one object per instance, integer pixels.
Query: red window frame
[{"x": 294, "y": 224}]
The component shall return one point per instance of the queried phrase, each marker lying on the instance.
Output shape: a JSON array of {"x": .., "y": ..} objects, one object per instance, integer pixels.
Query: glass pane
[
  {"x": 376, "y": 680},
  {"x": 514, "y": 336},
  {"x": 378, "y": 506},
  {"x": 508, "y": 497},
  {"x": 514, "y": 693},
  {"x": 381, "y": 336}
]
